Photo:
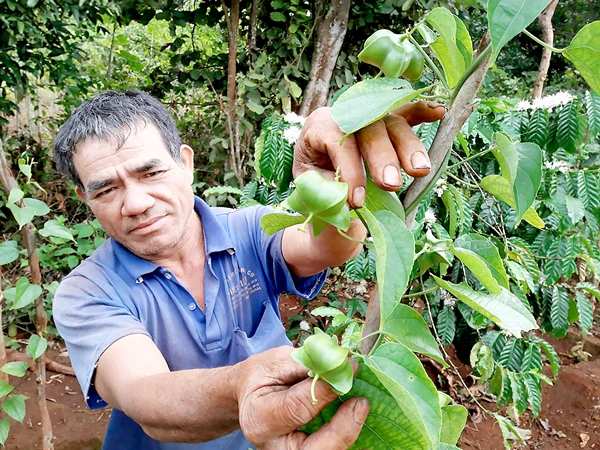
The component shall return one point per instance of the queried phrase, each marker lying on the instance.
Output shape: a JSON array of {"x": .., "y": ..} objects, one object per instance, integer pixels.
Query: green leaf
[
  {"x": 550, "y": 353},
  {"x": 567, "y": 131},
  {"x": 395, "y": 250},
  {"x": 273, "y": 222},
  {"x": 277, "y": 17},
  {"x": 446, "y": 325},
  {"x": 504, "y": 308},
  {"x": 559, "y": 312},
  {"x": 500, "y": 188},
  {"x": 326, "y": 311},
  {"x": 453, "y": 47},
  {"x": 589, "y": 288},
  {"x": 377, "y": 200},
  {"x": 454, "y": 419},
  {"x": 23, "y": 215},
  {"x": 408, "y": 327},
  {"x": 83, "y": 230},
  {"x": 482, "y": 258},
  {"x": 387, "y": 425},
  {"x": 532, "y": 358},
  {"x": 509, "y": 431},
  {"x": 14, "y": 406},
  {"x": 56, "y": 229},
  {"x": 5, "y": 388},
  {"x": 8, "y": 252},
  {"x": 534, "y": 393},
  {"x": 507, "y": 18},
  {"x": 452, "y": 210},
  {"x": 24, "y": 292},
  {"x": 36, "y": 347},
  {"x": 15, "y": 195},
  {"x": 4, "y": 430},
  {"x": 584, "y": 53},
  {"x": 370, "y": 100},
  {"x": 536, "y": 130},
  {"x": 592, "y": 103},
  {"x": 511, "y": 355},
  {"x": 575, "y": 208},
  {"x": 39, "y": 207},
  {"x": 522, "y": 166},
  {"x": 586, "y": 313},
  {"x": 403, "y": 375},
  {"x": 15, "y": 368}
]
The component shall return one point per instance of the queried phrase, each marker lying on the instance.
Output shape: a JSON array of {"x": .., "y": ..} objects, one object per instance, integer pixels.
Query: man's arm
[
  {"x": 182, "y": 406},
  {"x": 267, "y": 395},
  {"x": 385, "y": 146}
]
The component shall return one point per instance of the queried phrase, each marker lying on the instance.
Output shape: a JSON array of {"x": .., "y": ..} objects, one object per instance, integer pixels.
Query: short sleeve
[
  {"x": 90, "y": 320},
  {"x": 270, "y": 252}
]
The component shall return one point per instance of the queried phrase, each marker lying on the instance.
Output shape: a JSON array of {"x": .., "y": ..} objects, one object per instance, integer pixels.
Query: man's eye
[
  {"x": 153, "y": 174},
  {"x": 106, "y": 191}
]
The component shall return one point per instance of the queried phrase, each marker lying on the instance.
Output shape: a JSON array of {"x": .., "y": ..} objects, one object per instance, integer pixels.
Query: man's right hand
[{"x": 274, "y": 400}]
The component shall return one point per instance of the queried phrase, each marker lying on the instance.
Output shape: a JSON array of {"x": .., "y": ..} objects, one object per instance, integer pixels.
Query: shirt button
[
  {"x": 168, "y": 276},
  {"x": 192, "y": 306}
]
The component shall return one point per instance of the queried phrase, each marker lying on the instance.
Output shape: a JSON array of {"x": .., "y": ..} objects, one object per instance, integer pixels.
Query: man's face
[{"x": 140, "y": 195}]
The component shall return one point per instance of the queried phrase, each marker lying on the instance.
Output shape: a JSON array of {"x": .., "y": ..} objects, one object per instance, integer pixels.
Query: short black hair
[{"x": 113, "y": 115}]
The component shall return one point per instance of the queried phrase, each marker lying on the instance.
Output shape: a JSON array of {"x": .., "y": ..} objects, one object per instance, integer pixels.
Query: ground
[{"x": 570, "y": 417}]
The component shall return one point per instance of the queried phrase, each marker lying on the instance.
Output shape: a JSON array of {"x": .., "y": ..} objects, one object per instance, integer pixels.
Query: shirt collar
[{"x": 216, "y": 239}]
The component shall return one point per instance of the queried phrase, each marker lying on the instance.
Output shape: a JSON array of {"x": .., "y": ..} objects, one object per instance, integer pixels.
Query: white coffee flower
[
  {"x": 548, "y": 102},
  {"x": 430, "y": 216},
  {"x": 292, "y": 134},
  {"x": 293, "y": 118},
  {"x": 304, "y": 326},
  {"x": 447, "y": 298},
  {"x": 523, "y": 105}
]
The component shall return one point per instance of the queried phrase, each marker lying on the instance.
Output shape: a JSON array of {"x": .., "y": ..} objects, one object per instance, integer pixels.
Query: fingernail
[
  {"x": 391, "y": 176},
  {"x": 361, "y": 410},
  {"x": 420, "y": 161},
  {"x": 433, "y": 105},
  {"x": 358, "y": 196}
]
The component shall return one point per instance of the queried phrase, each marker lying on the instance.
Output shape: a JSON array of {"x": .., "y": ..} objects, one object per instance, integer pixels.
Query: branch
[
  {"x": 450, "y": 125},
  {"x": 41, "y": 319},
  {"x": 545, "y": 20}
]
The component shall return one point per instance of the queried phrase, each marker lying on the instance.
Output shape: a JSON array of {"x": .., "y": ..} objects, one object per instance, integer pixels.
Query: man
[{"x": 173, "y": 321}]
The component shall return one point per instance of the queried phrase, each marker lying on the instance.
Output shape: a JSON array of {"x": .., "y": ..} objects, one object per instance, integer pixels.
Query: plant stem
[
  {"x": 474, "y": 65},
  {"x": 368, "y": 244},
  {"x": 432, "y": 65},
  {"x": 477, "y": 155},
  {"x": 429, "y": 186},
  {"x": 418, "y": 294},
  {"x": 377, "y": 344},
  {"x": 379, "y": 74},
  {"x": 464, "y": 183},
  {"x": 543, "y": 44}
]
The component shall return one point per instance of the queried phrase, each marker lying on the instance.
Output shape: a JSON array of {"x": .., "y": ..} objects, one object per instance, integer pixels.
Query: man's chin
[{"x": 148, "y": 249}]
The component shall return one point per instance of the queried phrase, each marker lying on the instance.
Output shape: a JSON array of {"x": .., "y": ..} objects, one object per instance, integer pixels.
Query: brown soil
[{"x": 570, "y": 415}]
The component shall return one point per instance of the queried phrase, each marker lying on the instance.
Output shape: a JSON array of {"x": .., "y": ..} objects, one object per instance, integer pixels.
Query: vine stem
[
  {"x": 431, "y": 64},
  {"x": 461, "y": 162},
  {"x": 543, "y": 44},
  {"x": 418, "y": 294},
  {"x": 350, "y": 238},
  {"x": 449, "y": 360},
  {"x": 464, "y": 183}
]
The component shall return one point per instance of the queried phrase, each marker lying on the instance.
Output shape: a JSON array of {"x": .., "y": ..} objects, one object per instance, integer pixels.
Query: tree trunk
[
  {"x": 252, "y": 29},
  {"x": 235, "y": 157},
  {"x": 330, "y": 37},
  {"x": 3, "y": 376},
  {"x": 41, "y": 319},
  {"x": 545, "y": 20},
  {"x": 449, "y": 127}
]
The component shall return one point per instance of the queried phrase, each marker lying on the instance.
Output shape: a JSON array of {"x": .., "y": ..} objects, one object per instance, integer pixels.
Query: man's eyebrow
[
  {"x": 94, "y": 186},
  {"x": 151, "y": 164}
]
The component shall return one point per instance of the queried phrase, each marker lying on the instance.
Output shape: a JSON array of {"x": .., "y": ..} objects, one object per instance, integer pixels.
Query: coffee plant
[{"x": 499, "y": 261}]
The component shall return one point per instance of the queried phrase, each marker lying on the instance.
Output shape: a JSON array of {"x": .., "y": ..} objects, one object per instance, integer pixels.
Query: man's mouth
[{"x": 148, "y": 226}]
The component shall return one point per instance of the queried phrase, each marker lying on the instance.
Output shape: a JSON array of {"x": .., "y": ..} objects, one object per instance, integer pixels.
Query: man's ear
[
  {"x": 81, "y": 194},
  {"x": 187, "y": 158}
]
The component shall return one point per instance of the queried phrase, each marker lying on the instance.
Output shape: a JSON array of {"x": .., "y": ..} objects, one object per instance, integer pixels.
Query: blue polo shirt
[{"x": 114, "y": 293}]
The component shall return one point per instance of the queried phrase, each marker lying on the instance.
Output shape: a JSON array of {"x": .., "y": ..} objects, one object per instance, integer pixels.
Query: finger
[
  {"x": 410, "y": 150},
  {"x": 419, "y": 112},
  {"x": 380, "y": 155},
  {"x": 319, "y": 148},
  {"x": 343, "y": 429}
]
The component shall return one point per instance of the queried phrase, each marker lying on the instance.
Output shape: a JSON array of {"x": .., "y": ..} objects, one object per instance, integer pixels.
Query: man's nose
[{"x": 137, "y": 201}]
